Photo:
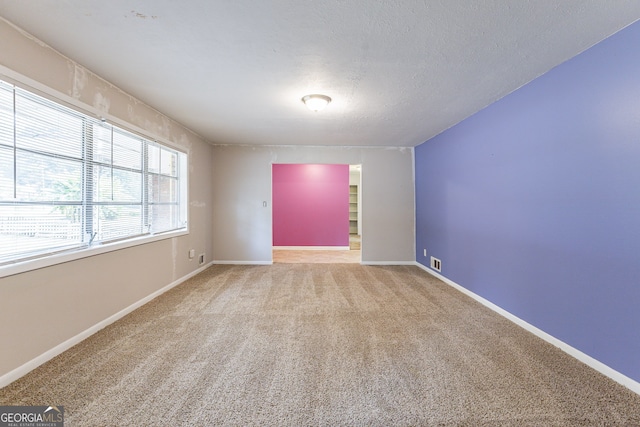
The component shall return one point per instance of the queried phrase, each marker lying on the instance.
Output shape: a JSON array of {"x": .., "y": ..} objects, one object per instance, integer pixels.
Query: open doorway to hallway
[{"x": 317, "y": 215}]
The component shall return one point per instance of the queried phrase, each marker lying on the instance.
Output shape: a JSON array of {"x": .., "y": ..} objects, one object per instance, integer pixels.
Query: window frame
[{"x": 76, "y": 253}]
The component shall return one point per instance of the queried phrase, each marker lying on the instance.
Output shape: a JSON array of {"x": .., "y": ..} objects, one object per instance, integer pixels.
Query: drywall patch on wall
[
  {"x": 400, "y": 149},
  {"x": 165, "y": 127},
  {"x": 131, "y": 115},
  {"x": 101, "y": 103},
  {"x": 161, "y": 126},
  {"x": 79, "y": 79},
  {"x": 185, "y": 141}
]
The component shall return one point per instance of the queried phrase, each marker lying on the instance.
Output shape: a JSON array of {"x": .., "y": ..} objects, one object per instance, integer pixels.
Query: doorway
[{"x": 317, "y": 215}]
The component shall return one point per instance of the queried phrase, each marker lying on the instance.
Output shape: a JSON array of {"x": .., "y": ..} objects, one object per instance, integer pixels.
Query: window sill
[{"x": 47, "y": 261}]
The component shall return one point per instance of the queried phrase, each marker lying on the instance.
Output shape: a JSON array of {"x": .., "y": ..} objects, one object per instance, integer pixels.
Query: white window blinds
[{"x": 69, "y": 181}]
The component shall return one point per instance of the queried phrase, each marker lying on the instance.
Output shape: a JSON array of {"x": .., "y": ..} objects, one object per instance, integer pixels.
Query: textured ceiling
[{"x": 399, "y": 72}]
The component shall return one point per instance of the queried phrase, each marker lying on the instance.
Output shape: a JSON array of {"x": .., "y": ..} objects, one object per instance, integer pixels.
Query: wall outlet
[
  {"x": 201, "y": 259},
  {"x": 425, "y": 252},
  {"x": 436, "y": 264},
  {"x": 192, "y": 253}
]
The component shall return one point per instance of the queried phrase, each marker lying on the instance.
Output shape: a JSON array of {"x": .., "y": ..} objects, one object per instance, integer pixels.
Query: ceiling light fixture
[{"x": 316, "y": 102}]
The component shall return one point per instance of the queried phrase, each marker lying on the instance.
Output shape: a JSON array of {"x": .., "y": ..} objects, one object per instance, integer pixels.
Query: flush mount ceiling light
[{"x": 316, "y": 102}]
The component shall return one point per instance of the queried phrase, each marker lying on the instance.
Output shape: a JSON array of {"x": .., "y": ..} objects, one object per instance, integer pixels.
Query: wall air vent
[{"x": 436, "y": 264}]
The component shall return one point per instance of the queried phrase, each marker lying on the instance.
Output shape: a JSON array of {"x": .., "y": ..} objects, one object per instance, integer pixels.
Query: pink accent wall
[{"x": 310, "y": 205}]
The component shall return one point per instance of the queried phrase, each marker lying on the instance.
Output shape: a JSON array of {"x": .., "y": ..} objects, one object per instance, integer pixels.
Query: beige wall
[
  {"x": 242, "y": 227},
  {"x": 43, "y": 308}
]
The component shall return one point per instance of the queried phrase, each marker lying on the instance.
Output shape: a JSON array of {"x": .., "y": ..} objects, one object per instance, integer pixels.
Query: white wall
[
  {"x": 242, "y": 227},
  {"x": 43, "y": 308}
]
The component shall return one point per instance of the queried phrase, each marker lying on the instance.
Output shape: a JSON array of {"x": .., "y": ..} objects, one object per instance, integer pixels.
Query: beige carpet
[{"x": 321, "y": 345}]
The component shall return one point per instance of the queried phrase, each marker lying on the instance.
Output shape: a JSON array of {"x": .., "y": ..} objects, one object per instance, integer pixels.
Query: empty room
[{"x": 156, "y": 156}]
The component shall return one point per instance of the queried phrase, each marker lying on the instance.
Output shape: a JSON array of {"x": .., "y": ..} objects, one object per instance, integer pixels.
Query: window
[{"x": 69, "y": 181}]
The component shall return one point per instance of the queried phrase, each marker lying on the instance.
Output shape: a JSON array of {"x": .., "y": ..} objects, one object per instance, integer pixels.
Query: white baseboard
[
  {"x": 311, "y": 248},
  {"x": 231, "y": 262},
  {"x": 20, "y": 371},
  {"x": 223, "y": 262},
  {"x": 388, "y": 263},
  {"x": 575, "y": 353}
]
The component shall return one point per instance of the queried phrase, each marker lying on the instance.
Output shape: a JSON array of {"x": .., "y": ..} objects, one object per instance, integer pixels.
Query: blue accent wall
[{"x": 534, "y": 202}]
